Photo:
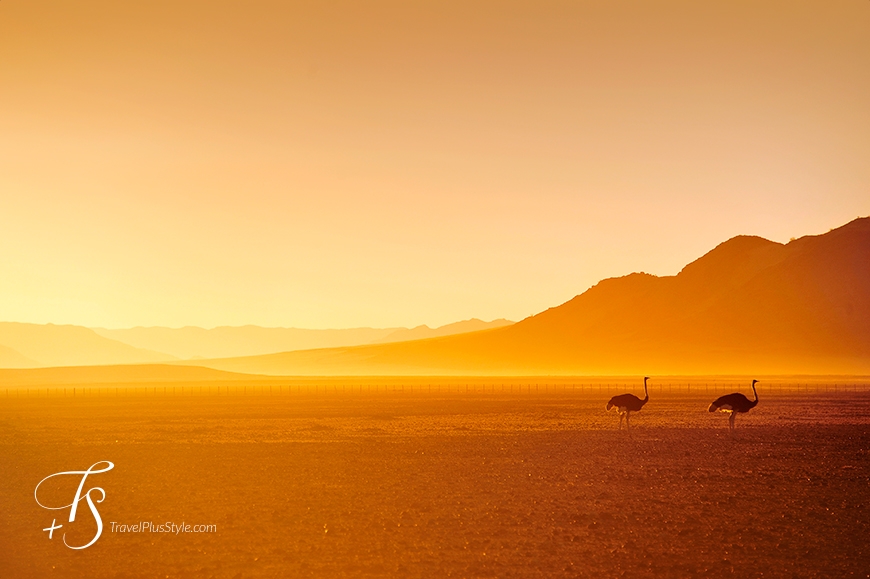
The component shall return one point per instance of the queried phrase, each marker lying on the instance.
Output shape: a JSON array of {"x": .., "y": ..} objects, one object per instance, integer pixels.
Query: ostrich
[
  {"x": 734, "y": 403},
  {"x": 625, "y": 404}
]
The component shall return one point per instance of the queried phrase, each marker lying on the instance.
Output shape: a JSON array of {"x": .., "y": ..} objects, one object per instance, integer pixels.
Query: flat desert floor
[{"x": 431, "y": 485}]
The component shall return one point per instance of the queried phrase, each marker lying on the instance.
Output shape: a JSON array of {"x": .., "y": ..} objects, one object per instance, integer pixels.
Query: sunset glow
[
  {"x": 383, "y": 164},
  {"x": 351, "y": 289}
]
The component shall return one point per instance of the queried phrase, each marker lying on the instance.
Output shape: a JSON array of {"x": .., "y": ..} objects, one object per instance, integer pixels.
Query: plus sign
[{"x": 52, "y": 528}]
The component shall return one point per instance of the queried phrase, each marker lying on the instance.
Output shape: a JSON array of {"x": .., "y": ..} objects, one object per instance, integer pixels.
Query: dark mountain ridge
[{"x": 749, "y": 305}]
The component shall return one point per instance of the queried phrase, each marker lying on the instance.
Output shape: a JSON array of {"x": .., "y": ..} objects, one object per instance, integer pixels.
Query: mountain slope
[
  {"x": 226, "y": 341},
  {"x": 749, "y": 305},
  {"x": 51, "y": 345},
  {"x": 10, "y": 358},
  {"x": 193, "y": 342},
  {"x": 425, "y": 332}
]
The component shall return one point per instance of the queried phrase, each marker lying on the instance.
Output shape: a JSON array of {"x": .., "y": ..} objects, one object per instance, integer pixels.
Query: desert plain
[{"x": 440, "y": 478}]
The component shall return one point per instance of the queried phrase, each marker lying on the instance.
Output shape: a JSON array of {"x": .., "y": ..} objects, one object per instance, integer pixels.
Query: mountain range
[
  {"x": 750, "y": 305},
  {"x": 35, "y": 345},
  {"x": 192, "y": 342},
  {"x": 47, "y": 345}
]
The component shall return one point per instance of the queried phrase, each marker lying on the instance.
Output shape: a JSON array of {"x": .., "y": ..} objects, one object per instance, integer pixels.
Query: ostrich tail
[{"x": 713, "y": 408}]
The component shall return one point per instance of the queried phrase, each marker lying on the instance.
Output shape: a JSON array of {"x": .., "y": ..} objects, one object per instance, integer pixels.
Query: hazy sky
[{"x": 337, "y": 164}]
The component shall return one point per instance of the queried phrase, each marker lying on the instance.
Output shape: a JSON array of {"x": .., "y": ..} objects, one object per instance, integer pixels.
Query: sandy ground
[{"x": 413, "y": 485}]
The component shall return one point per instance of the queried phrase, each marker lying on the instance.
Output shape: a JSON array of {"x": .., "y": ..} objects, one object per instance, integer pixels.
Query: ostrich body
[
  {"x": 625, "y": 404},
  {"x": 733, "y": 404}
]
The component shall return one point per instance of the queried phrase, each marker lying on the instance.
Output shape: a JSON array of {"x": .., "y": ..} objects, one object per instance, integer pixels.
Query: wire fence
[{"x": 450, "y": 388}]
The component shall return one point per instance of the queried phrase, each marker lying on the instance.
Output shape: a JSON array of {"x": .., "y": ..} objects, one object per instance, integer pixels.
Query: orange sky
[{"x": 348, "y": 164}]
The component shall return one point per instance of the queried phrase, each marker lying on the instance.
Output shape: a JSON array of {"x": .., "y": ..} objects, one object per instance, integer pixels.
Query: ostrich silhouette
[
  {"x": 734, "y": 403},
  {"x": 625, "y": 404}
]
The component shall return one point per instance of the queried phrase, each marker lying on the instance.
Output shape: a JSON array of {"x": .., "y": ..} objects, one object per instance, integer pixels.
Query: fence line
[{"x": 433, "y": 389}]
